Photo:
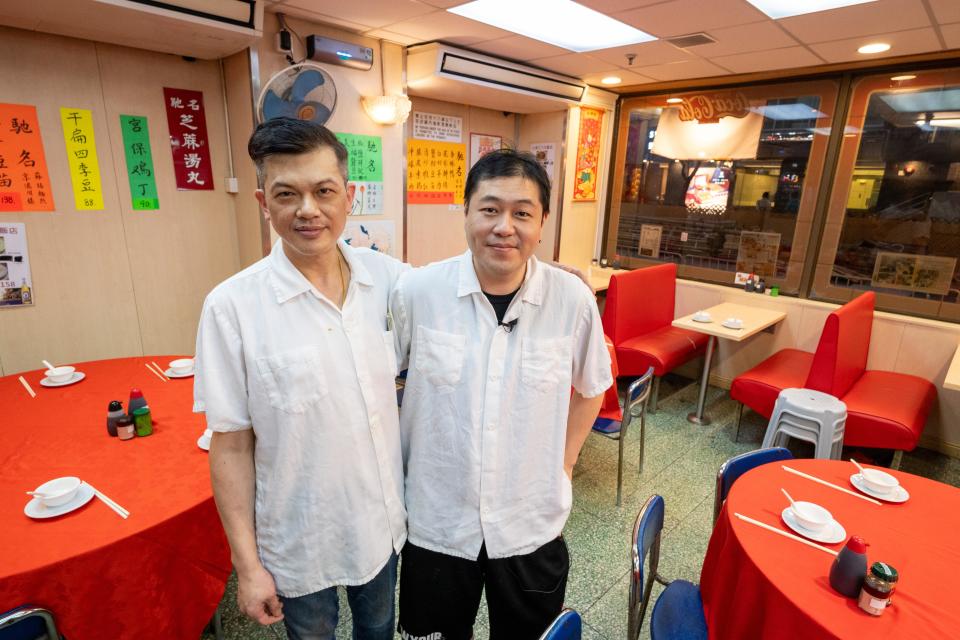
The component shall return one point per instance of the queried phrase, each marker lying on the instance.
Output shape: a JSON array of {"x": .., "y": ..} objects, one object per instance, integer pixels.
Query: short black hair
[
  {"x": 506, "y": 163},
  {"x": 766, "y": 194},
  {"x": 292, "y": 136}
]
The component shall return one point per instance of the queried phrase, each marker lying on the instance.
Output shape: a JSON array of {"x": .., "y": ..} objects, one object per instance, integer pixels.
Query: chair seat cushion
[
  {"x": 887, "y": 410},
  {"x": 663, "y": 349},
  {"x": 678, "y": 613},
  {"x": 607, "y": 426},
  {"x": 759, "y": 387}
]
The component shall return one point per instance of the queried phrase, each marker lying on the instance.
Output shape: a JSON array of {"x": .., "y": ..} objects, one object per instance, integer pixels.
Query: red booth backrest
[
  {"x": 841, "y": 356},
  {"x": 639, "y": 302}
]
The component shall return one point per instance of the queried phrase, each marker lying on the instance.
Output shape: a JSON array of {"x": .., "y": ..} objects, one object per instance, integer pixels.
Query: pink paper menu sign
[{"x": 188, "y": 138}]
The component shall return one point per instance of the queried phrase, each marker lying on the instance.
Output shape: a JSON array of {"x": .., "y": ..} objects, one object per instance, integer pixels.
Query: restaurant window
[
  {"x": 721, "y": 182},
  {"x": 893, "y": 223}
]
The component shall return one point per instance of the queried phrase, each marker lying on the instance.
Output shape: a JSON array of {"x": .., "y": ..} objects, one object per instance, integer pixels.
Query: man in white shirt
[
  {"x": 490, "y": 431},
  {"x": 295, "y": 373}
]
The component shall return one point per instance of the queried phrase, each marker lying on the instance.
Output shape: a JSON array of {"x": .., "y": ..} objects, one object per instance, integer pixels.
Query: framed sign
[{"x": 481, "y": 144}]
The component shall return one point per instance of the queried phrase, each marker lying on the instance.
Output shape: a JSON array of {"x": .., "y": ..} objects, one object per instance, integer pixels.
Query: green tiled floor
[{"x": 681, "y": 462}]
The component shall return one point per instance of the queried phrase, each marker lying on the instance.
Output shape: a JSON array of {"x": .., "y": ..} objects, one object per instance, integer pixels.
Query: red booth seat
[{"x": 885, "y": 410}]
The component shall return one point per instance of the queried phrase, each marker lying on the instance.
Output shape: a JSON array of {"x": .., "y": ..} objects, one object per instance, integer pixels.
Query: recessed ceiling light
[
  {"x": 674, "y": 100},
  {"x": 874, "y": 47},
  {"x": 563, "y": 23},
  {"x": 786, "y": 8},
  {"x": 612, "y": 80},
  {"x": 903, "y": 78}
]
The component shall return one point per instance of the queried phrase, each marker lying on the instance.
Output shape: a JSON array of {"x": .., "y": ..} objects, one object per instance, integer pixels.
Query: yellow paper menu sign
[{"x": 82, "y": 156}]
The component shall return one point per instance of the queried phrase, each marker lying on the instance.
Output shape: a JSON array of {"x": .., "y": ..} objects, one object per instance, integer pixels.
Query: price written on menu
[
  {"x": 24, "y": 180},
  {"x": 136, "y": 148},
  {"x": 82, "y": 158},
  {"x": 436, "y": 172},
  {"x": 187, "y": 122}
]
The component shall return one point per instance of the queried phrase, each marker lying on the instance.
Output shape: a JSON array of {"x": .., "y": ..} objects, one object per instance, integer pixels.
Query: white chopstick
[
  {"x": 159, "y": 375},
  {"x": 159, "y": 369},
  {"x": 123, "y": 513},
  {"x": 785, "y": 534},
  {"x": 26, "y": 385},
  {"x": 830, "y": 484}
]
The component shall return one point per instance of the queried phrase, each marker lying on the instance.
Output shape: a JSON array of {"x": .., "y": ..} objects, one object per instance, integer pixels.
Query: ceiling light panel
[
  {"x": 787, "y": 8},
  {"x": 559, "y": 22}
]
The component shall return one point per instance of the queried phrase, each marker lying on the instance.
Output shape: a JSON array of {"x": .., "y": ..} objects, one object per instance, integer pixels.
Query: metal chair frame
[
  {"x": 637, "y": 395},
  {"x": 20, "y": 614},
  {"x": 639, "y": 596},
  {"x": 772, "y": 454}
]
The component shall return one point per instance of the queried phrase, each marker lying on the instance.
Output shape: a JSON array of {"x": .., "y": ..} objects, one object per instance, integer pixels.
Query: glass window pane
[{"x": 717, "y": 182}]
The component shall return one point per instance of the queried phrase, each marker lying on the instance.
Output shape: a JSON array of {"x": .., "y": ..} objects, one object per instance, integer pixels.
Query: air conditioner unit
[
  {"x": 442, "y": 72},
  {"x": 206, "y": 29}
]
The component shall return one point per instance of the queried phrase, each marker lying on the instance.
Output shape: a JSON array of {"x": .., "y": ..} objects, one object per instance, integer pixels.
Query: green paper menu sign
[
  {"x": 365, "y": 157},
  {"x": 136, "y": 148}
]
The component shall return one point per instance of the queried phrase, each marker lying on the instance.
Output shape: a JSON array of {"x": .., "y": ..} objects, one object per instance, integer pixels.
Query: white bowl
[
  {"x": 701, "y": 315},
  {"x": 879, "y": 481},
  {"x": 811, "y": 516},
  {"x": 60, "y": 374},
  {"x": 182, "y": 366},
  {"x": 58, "y": 491}
]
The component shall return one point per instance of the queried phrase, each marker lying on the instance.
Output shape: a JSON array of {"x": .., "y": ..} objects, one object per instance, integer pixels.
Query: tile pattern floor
[{"x": 680, "y": 463}]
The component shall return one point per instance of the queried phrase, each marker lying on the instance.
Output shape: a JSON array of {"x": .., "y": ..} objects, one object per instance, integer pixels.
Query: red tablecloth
[
  {"x": 158, "y": 574},
  {"x": 757, "y": 584}
]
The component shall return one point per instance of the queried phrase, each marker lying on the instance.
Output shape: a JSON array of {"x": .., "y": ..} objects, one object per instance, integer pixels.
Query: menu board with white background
[
  {"x": 16, "y": 285},
  {"x": 437, "y": 127}
]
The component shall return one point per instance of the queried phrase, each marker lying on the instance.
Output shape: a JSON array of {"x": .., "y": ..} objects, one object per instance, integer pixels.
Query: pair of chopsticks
[
  {"x": 830, "y": 484},
  {"x": 156, "y": 370},
  {"x": 785, "y": 534},
  {"x": 123, "y": 513},
  {"x": 26, "y": 385}
]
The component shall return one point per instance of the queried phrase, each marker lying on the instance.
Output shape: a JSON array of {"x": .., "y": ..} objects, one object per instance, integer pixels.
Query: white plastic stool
[{"x": 808, "y": 415}]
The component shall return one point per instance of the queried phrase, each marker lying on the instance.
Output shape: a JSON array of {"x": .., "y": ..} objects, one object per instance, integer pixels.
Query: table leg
[{"x": 698, "y": 417}]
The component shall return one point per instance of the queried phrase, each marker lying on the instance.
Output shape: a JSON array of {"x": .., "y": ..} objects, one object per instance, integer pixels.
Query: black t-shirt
[{"x": 501, "y": 302}]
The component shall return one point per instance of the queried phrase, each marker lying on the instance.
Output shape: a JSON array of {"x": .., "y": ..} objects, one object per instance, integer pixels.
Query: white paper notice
[
  {"x": 438, "y": 127},
  {"x": 16, "y": 285}
]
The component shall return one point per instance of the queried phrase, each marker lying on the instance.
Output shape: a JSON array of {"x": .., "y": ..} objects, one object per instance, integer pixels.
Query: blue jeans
[{"x": 314, "y": 616}]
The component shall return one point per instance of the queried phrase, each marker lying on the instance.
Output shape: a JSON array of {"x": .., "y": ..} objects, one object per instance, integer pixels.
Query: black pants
[{"x": 440, "y": 594}]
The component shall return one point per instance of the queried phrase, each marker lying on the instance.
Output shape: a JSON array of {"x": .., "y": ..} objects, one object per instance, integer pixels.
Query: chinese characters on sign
[
  {"x": 545, "y": 153},
  {"x": 24, "y": 181},
  {"x": 16, "y": 286},
  {"x": 365, "y": 171},
  {"x": 136, "y": 148},
  {"x": 434, "y": 126},
  {"x": 436, "y": 172},
  {"x": 82, "y": 157},
  {"x": 188, "y": 138},
  {"x": 588, "y": 155}
]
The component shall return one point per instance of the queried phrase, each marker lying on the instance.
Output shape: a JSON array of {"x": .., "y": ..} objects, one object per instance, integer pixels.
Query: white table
[
  {"x": 754, "y": 319},
  {"x": 599, "y": 277},
  {"x": 952, "y": 379}
]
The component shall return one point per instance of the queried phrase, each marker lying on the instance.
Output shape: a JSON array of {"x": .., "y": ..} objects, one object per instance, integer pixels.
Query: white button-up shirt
[
  {"x": 484, "y": 416},
  {"x": 316, "y": 384}
]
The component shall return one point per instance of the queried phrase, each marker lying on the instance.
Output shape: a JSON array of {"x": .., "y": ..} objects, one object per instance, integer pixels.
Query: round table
[
  {"x": 757, "y": 584},
  {"x": 158, "y": 574}
]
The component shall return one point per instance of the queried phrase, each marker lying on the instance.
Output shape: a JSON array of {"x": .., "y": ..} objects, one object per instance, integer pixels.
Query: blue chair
[
  {"x": 739, "y": 465},
  {"x": 678, "y": 612},
  {"x": 567, "y": 626},
  {"x": 28, "y": 623},
  {"x": 612, "y": 423}
]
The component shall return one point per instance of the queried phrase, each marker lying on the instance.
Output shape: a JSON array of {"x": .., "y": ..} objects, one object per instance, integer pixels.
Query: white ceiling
[{"x": 747, "y": 40}]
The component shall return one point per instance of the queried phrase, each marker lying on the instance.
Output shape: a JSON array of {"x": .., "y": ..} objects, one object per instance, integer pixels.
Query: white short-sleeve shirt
[
  {"x": 317, "y": 387},
  {"x": 484, "y": 416}
]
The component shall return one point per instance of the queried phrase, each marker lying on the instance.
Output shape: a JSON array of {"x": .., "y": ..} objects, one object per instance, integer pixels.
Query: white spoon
[
  {"x": 857, "y": 465},
  {"x": 38, "y": 494},
  {"x": 792, "y": 503},
  {"x": 49, "y": 366}
]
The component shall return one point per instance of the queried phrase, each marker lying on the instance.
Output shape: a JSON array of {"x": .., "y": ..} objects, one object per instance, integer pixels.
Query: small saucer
[
  {"x": 36, "y": 510},
  {"x": 706, "y": 320},
  {"x": 77, "y": 377},
  {"x": 170, "y": 374},
  {"x": 830, "y": 534},
  {"x": 734, "y": 327},
  {"x": 896, "y": 495}
]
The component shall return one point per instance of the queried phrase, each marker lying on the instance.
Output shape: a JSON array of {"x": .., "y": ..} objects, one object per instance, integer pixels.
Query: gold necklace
[{"x": 343, "y": 282}]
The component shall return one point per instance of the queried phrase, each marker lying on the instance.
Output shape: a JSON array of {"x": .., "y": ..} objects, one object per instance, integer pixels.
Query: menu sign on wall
[
  {"x": 136, "y": 148},
  {"x": 187, "y": 122},
  {"x": 82, "y": 157},
  {"x": 24, "y": 180},
  {"x": 365, "y": 171},
  {"x": 436, "y": 172}
]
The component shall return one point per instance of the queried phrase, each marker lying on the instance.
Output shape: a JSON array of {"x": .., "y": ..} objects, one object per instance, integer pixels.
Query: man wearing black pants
[{"x": 489, "y": 429}]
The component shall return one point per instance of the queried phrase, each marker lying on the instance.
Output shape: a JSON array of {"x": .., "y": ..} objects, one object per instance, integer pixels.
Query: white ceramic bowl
[
  {"x": 60, "y": 374},
  {"x": 701, "y": 315},
  {"x": 879, "y": 481},
  {"x": 182, "y": 366},
  {"x": 58, "y": 491},
  {"x": 811, "y": 516}
]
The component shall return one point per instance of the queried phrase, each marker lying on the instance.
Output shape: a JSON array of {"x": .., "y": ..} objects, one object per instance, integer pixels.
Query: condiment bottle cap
[
  {"x": 135, "y": 393},
  {"x": 856, "y": 544},
  {"x": 884, "y": 571},
  {"x": 115, "y": 405}
]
